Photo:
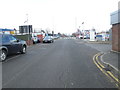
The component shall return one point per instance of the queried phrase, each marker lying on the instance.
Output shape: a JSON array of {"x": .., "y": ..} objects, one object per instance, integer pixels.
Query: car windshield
[{"x": 47, "y": 37}]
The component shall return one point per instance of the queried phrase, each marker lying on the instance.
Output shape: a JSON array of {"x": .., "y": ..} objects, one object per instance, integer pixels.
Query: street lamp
[
  {"x": 83, "y": 29},
  {"x": 27, "y": 27}
]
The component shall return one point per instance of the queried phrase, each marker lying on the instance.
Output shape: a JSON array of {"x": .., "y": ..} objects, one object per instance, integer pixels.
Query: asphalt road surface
[{"x": 66, "y": 63}]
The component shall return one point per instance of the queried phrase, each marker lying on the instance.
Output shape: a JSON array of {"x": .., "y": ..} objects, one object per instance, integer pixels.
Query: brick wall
[
  {"x": 29, "y": 42},
  {"x": 116, "y": 37}
]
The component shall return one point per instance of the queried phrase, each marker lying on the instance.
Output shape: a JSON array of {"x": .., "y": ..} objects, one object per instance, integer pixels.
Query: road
[{"x": 66, "y": 63}]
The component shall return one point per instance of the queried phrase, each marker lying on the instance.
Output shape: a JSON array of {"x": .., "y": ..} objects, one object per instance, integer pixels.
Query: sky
[{"x": 62, "y": 16}]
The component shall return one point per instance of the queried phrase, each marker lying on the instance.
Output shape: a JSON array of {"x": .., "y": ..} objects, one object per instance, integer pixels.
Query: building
[
  {"x": 25, "y": 29},
  {"x": 115, "y": 22},
  {"x": 7, "y": 31},
  {"x": 110, "y": 35},
  {"x": 26, "y": 32}
]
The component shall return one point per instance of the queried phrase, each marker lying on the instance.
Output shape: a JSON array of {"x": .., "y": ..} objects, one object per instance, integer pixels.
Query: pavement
[
  {"x": 105, "y": 47},
  {"x": 66, "y": 63},
  {"x": 108, "y": 58},
  {"x": 111, "y": 58}
]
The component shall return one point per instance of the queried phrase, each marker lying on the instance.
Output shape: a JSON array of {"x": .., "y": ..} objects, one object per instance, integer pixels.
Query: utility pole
[
  {"x": 75, "y": 23},
  {"x": 53, "y": 26},
  {"x": 27, "y": 26},
  {"x": 83, "y": 29}
]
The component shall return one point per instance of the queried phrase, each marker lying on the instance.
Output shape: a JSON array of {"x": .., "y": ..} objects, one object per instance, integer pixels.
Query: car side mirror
[{"x": 18, "y": 40}]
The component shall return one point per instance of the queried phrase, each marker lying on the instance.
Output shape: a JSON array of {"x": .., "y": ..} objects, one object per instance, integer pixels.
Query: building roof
[{"x": 6, "y": 29}]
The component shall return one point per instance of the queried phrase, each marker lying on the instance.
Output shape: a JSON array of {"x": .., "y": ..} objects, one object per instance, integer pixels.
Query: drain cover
[{"x": 107, "y": 69}]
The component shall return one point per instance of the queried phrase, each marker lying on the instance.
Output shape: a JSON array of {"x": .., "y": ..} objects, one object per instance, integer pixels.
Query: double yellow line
[{"x": 101, "y": 67}]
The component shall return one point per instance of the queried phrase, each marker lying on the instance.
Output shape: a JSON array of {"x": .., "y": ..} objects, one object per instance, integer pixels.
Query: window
[
  {"x": 12, "y": 38},
  {"x": 5, "y": 39}
]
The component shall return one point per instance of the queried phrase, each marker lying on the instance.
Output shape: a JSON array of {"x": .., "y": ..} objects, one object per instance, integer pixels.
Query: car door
[
  {"x": 6, "y": 43},
  {"x": 15, "y": 45}
]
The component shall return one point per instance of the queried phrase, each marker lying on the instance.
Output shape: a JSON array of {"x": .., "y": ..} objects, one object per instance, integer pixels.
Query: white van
[{"x": 34, "y": 38}]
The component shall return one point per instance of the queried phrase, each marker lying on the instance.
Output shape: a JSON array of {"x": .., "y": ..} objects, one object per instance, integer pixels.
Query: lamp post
[
  {"x": 27, "y": 27},
  {"x": 83, "y": 29},
  {"x": 75, "y": 23}
]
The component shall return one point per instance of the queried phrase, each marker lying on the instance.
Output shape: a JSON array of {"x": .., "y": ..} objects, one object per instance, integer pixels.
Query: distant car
[
  {"x": 107, "y": 37},
  {"x": 55, "y": 37},
  {"x": 80, "y": 37},
  {"x": 11, "y": 45},
  {"x": 48, "y": 39},
  {"x": 85, "y": 37}
]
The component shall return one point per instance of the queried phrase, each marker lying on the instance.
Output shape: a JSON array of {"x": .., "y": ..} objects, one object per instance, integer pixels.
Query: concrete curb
[
  {"x": 97, "y": 42},
  {"x": 113, "y": 69},
  {"x": 114, "y": 51}
]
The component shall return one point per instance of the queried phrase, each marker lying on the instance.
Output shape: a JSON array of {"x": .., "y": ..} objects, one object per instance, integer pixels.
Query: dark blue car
[{"x": 10, "y": 45}]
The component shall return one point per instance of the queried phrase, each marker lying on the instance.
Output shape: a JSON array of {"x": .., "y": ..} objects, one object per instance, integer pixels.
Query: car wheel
[
  {"x": 33, "y": 42},
  {"x": 38, "y": 41},
  {"x": 3, "y": 55},
  {"x": 23, "y": 50}
]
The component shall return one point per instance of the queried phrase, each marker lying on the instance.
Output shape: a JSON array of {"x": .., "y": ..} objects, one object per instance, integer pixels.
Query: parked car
[
  {"x": 34, "y": 38},
  {"x": 11, "y": 45},
  {"x": 48, "y": 39},
  {"x": 79, "y": 37}
]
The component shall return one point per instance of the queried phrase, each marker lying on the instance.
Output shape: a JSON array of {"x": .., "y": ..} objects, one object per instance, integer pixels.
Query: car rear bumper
[{"x": 45, "y": 41}]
